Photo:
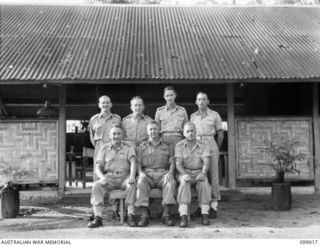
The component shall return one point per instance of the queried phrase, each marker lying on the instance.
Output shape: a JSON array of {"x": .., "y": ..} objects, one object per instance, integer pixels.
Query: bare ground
[{"x": 237, "y": 219}]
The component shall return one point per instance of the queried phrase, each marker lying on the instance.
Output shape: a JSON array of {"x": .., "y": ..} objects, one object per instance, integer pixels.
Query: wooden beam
[
  {"x": 231, "y": 138},
  {"x": 62, "y": 137},
  {"x": 3, "y": 110},
  {"x": 316, "y": 137}
]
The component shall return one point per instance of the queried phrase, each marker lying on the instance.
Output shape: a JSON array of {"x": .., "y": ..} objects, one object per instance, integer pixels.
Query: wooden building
[{"x": 259, "y": 65}]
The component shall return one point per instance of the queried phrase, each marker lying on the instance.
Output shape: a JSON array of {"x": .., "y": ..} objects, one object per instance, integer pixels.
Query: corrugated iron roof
[{"x": 112, "y": 42}]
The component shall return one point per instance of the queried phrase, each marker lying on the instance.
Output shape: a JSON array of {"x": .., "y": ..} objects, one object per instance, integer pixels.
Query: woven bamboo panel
[
  {"x": 251, "y": 161},
  {"x": 29, "y": 151}
]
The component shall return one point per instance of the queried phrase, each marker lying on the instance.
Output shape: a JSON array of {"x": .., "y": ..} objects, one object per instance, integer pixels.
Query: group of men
[{"x": 139, "y": 153}]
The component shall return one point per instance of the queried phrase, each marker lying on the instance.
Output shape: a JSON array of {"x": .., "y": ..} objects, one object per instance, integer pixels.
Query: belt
[
  {"x": 188, "y": 169},
  {"x": 205, "y": 137},
  {"x": 115, "y": 173},
  {"x": 178, "y": 134},
  {"x": 136, "y": 143},
  {"x": 156, "y": 169}
]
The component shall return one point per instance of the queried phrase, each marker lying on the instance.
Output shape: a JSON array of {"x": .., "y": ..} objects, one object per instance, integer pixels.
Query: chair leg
[
  {"x": 121, "y": 211},
  {"x": 84, "y": 179},
  {"x": 76, "y": 178}
]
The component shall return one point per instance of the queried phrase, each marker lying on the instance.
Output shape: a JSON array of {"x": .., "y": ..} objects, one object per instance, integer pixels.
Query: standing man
[
  {"x": 171, "y": 118},
  {"x": 209, "y": 130},
  {"x": 101, "y": 123},
  {"x": 135, "y": 124},
  {"x": 116, "y": 169},
  {"x": 99, "y": 128},
  {"x": 156, "y": 170},
  {"x": 192, "y": 158}
]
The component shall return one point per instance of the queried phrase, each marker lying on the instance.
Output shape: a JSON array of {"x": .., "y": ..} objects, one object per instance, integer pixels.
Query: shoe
[
  {"x": 205, "y": 219},
  {"x": 131, "y": 220},
  {"x": 167, "y": 221},
  {"x": 184, "y": 221},
  {"x": 97, "y": 222},
  {"x": 143, "y": 222},
  {"x": 91, "y": 217},
  {"x": 213, "y": 214}
]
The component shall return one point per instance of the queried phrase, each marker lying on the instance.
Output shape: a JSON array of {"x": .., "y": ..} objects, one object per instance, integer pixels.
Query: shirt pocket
[
  {"x": 109, "y": 163},
  {"x": 130, "y": 131},
  {"x": 178, "y": 121},
  {"x": 165, "y": 121},
  {"x": 164, "y": 155},
  {"x": 198, "y": 154},
  {"x": 97, "y": 130},
  {"x": 115, "y": 122},
  {"x": 122, "y": 155},
  {"x": 210, "y": 122},
  {"x": 145, "y": 158}
]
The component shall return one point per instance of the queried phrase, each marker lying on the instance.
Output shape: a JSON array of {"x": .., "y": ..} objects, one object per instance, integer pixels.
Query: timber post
[
  {"x": 316, "y": 137},
  {"x": 62, "y": 138},
  {"x": 231, "y": 138}
]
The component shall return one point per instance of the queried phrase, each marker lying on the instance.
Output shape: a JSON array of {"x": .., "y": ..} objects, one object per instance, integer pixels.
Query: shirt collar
[
  {"x": 142, "y": 116},
  {"x": 206, "y": 113},
  {"x": 102, "y": 115},
  {"x": 150, "y": 143},
  {"x": 174, "y": 108},
  {"x": 111, "y": 146},
  {"x": 186, "y": 145}
]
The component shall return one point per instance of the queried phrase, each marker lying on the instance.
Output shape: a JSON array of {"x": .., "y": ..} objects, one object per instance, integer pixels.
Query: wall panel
[
  {"x": 251, "y": 133},
  {"x": 29, "y": 151}
]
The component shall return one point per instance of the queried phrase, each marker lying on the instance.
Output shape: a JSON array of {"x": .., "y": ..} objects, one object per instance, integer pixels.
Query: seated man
[
  {"x": 192, "y": 158},
  {"x": 116, "y": 169},
  {"x": 155, "y": 168}
]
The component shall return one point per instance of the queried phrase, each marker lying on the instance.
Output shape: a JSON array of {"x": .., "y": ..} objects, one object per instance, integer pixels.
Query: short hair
[
  {"x": 189, "y": 124},
  {"x": 169, "y": 88},
  {"x": 136, "y": 98},
  {"x": 153, "y": 122},
  {"x": 202, "y": 93},
  {"x": 117, "y": 126},
  {"x": 104, "y": 96}
]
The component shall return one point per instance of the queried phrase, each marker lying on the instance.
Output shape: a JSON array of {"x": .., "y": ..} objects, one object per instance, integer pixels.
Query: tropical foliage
[{"x": 284, "y": 157}]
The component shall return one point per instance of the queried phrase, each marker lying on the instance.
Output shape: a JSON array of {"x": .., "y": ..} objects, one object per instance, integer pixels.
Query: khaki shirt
[
  {"x": 154, "y": 156},
  {"x": 114, "y": 159},
  {"x": 135, "y": 131},
  {"x": 171, "y": 120},
  {"x": 208, "y": 124},
  {"x": 100, "y": 126},
  {"x": 192, "y": 159}
]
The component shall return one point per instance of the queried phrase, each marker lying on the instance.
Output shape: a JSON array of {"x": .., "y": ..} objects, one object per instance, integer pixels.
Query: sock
[
  {"x": 204, "y": 208},
  {"x": 131, "y": 209},
  {"x": 183, "y": 209},
  {"x": 166, "y": 210},
  {"x": 214, "y": 205},
  {"x": 97, "y": 210}
]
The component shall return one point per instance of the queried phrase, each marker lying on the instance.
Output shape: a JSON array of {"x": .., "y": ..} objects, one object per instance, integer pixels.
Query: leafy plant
[
  {"x": 15, "y": 170},
  {"x": 284, "y": 157}
]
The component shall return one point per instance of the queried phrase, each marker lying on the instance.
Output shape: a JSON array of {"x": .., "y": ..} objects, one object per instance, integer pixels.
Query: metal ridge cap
[{"x": 7, "y": 2}]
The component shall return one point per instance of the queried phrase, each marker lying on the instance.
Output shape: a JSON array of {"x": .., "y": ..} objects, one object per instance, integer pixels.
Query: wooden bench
[{"x": 154, "y": 193}]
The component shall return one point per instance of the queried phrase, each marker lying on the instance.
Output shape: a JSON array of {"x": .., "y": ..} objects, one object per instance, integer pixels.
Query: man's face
[
  {"x": 189, "y": 132},
  {"x": 105, "y": 103},
  {"x": 169, "y": 96},
  {"x": 153, "y": 131},
  {"x": 137, "y": 106},
  {"x": 202, "y": 101},
  {"x": 115, "y": 135}
]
